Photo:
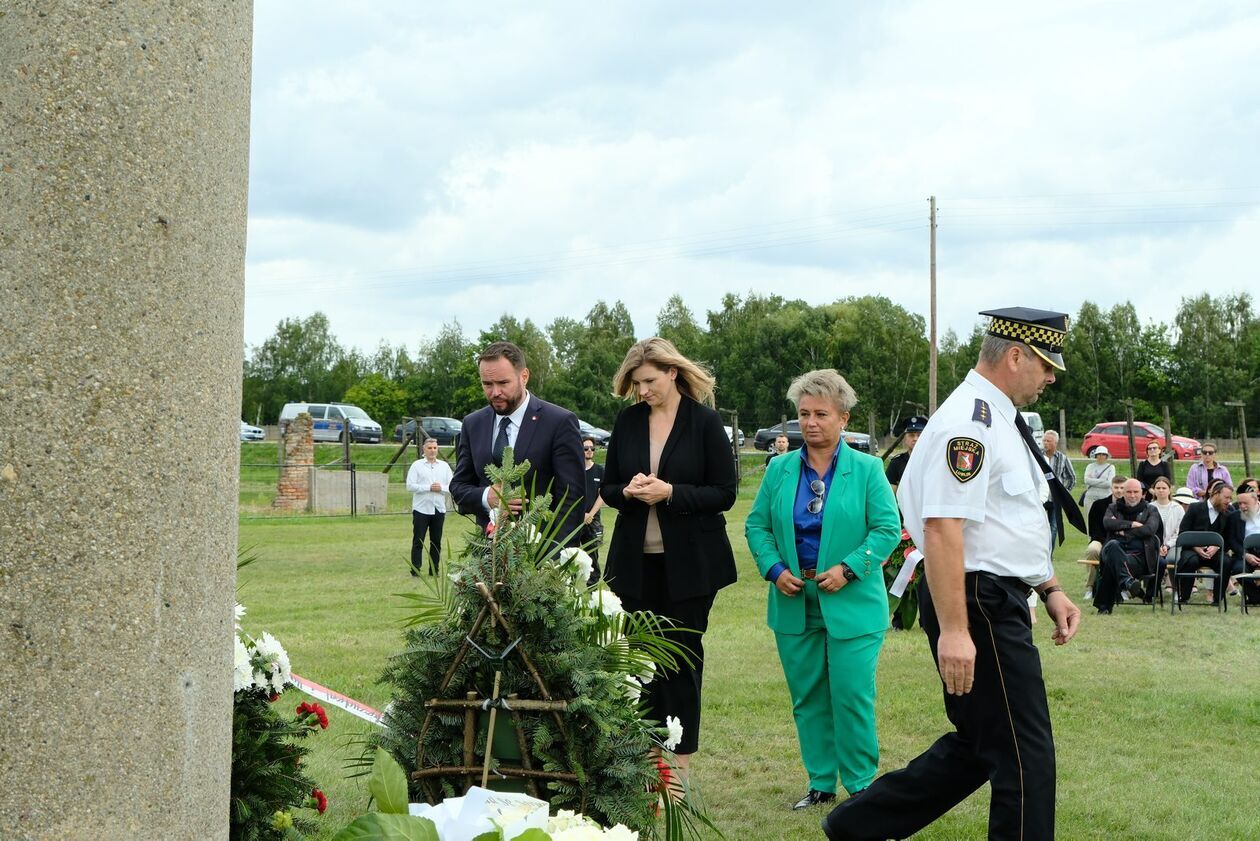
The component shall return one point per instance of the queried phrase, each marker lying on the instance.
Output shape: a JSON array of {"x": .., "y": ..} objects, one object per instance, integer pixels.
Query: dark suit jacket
[
  {"x": 1226, "y": 525},
  {"x": 1150, "y": 533},
  {"x": 550, "y": 439},
  {"x": 697, "y": 461}
]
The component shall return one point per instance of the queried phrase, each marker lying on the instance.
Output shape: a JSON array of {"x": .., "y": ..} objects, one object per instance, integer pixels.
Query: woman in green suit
[{"x": 820, "y": 528}]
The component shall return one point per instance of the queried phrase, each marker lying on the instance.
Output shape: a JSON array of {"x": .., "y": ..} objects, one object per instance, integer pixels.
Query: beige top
[{"x": 653, "y": 544}]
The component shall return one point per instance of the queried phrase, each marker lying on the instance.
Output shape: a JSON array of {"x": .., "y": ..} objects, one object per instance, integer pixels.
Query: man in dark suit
[
  {"x": 1211, "y": 514},
  {"x": 541, "y": 432}
]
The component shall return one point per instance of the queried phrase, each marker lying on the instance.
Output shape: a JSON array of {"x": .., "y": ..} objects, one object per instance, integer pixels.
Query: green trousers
[{"x": 832, "y": 682}]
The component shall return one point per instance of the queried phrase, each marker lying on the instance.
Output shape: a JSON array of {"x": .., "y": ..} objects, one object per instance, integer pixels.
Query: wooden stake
[{"x": 494, "y": 710}]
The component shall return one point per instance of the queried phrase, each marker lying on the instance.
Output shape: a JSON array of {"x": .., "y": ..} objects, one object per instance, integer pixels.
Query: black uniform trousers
[
  {"x": 1003, "y": 734},
  {"x": 675, "y": 692},
  {"x": 431, "y": 523}
]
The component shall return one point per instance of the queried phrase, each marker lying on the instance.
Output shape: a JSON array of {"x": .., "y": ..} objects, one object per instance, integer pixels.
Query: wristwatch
[
  {"x": 849, "y": 574},
  {"x": 1045, "y": 594}
]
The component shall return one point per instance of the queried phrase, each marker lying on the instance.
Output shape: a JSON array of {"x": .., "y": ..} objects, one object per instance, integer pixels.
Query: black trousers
[
  {"x": 1002, "y": 734},
  {"x": 675, "y": 692},
  {"x": 431, "y": 523},
  {"x": 1191, "y": 562},
  {"x": 1115, "y": 568},
  {"x": 592, "y": 537}
]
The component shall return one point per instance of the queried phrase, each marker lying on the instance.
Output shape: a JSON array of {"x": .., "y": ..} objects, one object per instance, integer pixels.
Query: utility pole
[
  {"x": 1242, "y": 430},
  {"x": 932, "y": 308}
]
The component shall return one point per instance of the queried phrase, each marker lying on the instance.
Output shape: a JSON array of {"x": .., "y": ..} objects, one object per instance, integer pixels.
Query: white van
[
  {"x": 1038, "y": 428},
  {"x": 330, "y": 420}
]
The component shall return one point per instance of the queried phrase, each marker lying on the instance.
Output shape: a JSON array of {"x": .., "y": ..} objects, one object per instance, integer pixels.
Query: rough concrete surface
[{"x": 123, "y": 181}]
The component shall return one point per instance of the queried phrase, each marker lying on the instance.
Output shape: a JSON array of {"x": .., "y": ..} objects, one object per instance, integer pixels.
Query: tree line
[{"x": 1207, "y": 354}]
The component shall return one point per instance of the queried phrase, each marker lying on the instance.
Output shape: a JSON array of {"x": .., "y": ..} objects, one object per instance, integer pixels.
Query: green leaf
[
  {"x": 388, "y": 784},
  {"x": 489, "y": 836},
  {"x": 378, "y": 826},
  {"x": 533, "y": 834}
]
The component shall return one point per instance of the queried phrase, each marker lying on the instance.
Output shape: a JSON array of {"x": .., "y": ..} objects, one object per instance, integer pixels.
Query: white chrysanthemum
[
  {"x": 277, "y": 660},
  {"x": 606, "y": 600},
  {"x": 584, "y": 564},
  {"x": 566, "y": 819},
  {"x": 633, "y": 688},
  {"x": 649, "y": 672},
  {"x": 620, "y": 832},
  {"x": 242, "y": 669},
  {"x": 240, "y": 612},
  {"x": 586, "y": 832},
  {"x": 675, "y": 728}
]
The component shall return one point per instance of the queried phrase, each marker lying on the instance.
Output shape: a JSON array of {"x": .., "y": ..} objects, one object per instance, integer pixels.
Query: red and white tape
[{"x": 323, "y": 693}]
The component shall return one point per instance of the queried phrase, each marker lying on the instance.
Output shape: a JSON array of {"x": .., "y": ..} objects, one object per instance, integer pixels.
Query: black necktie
[
  {"x": 1063, "y": 501},
  {"x": 500, "y": 442}
]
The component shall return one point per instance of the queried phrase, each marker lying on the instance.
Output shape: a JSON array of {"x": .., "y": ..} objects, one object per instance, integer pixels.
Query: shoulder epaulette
[{"x": 982, "y": 413}]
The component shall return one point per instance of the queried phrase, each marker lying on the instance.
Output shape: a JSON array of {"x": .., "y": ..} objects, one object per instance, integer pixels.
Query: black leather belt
[{"x": 1017, "y": 584}]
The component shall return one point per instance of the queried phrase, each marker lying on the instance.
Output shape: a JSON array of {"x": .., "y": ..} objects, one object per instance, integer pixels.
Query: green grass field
[{"x": 1157, "y": 717}]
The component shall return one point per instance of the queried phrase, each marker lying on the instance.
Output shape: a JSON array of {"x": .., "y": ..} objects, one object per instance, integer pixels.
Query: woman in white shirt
[
  {"x": 1170, "y": 514},
  {"x": 429, "y": 479},
  {"x": 1098, "y": 477}
]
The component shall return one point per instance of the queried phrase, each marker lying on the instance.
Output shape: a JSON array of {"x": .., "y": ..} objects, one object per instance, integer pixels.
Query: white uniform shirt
[
  {"x": 971, "y": 463},
  {"x": 420, "y": 477}
]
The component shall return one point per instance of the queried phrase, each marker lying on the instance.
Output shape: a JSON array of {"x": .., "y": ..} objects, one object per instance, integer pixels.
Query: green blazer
[{"x": 861, "y": 527}]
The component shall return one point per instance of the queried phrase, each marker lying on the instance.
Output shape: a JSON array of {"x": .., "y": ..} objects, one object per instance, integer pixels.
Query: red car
[{"x": 1114, "y": 435}]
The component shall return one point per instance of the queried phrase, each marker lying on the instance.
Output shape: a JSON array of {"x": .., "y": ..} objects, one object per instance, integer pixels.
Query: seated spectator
[
  {"x": 1098, "y": 476},
  {"x": 1204, "y": 473},
  {"x": 1249, "y": 524},
  {"x": 1097, "y": 534},
  {"x": 1152, "y": 467},
  {"x": 1248, "y": 485},
  {"x": 1170, "y": 514},
  {"x": 780, "y": 447},
  {"x": 1131, "y": 552},
  {"x": 1211, "y": 514}
]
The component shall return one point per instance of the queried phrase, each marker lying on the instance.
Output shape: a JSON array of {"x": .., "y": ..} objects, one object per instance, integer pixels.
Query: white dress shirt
[
  {"x": 514, "y": 429},
  {"x": 999, "y": 499},
  {"x": 420, "y": 478}
]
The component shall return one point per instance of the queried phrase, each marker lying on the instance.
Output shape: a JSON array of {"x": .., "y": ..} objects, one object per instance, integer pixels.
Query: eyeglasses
[
  {"x": 818, "y": 487},
  {"x": 1209, "y": 452},
  {"x": 589, "y": 449}
]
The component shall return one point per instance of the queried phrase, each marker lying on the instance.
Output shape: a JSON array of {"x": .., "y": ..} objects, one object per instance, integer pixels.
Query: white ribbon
[{"x": 907, "y": 570}]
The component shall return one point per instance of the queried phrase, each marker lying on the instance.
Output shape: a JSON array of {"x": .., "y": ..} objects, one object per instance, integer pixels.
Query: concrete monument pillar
[{"x": 123, "y": 172}]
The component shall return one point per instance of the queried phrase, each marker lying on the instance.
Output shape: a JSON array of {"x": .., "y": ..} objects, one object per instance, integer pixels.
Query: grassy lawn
[{"x": 1157, "y": 717}]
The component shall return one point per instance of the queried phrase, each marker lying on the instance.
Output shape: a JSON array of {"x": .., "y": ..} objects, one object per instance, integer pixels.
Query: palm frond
[{"x": 434, "y": 603}]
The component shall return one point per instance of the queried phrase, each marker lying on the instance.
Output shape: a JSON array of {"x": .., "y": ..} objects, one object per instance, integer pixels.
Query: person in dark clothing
[
  {"x": 1152, "y": 467},
  {"x": 1131, "y": 552},
  {"x": 592, "y": 526},
  {"x": 1097, "y": 534},
  {"x": 897, "y": 464},
  {"x": 1211, "y": 514}
]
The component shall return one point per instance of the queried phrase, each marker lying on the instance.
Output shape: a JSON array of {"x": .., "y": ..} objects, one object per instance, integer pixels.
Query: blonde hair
[
  {"x": 693, "y": 379},
  {"x": 825, "y": 382}
]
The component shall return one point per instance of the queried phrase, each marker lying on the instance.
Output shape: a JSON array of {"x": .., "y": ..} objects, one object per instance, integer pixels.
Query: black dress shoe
[{"x": 813, "y": 797}]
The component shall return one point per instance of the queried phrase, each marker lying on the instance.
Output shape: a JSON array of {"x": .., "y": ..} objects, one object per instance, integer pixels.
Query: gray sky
[{"x": 414, "y": 164}]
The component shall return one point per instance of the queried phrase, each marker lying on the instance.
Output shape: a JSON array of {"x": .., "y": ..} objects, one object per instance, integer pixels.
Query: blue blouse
[{"x": 808, "y": 527}]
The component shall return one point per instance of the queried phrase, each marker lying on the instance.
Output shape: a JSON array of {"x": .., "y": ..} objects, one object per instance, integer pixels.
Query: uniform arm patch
[{"x": 964, "y": 457}]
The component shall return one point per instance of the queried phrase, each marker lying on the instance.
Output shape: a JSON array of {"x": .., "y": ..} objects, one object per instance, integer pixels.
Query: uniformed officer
[
  {"x": 972, "y": 500},
  {"x": 897, "y": 464}
]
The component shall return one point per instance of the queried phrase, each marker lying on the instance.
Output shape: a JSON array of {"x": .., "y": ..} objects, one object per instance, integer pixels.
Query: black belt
[{"x": 1011, "y": 581}]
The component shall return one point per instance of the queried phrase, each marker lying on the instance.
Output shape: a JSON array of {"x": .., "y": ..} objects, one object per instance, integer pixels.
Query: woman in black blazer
[{"x": 670, "y": 475}]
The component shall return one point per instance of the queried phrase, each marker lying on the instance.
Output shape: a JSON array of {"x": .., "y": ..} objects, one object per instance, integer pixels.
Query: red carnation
[
  {"x": 321, "y": 801},
  {"x": 305, "y": 709},
  {"x": 489, "y": 529},
  {"x": 273, "y": 697}
]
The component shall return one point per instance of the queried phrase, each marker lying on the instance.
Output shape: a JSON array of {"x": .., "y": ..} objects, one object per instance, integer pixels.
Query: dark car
[
  {"x": 1114, "y": 435},
  {"x": 764, "y": 440},
  {"x": 445, "y": 430},
  {"x": 599, "y": 436}
]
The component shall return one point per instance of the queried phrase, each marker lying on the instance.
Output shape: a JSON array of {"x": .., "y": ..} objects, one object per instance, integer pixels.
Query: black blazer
[
  {"x": 698, "y": 462},
  {"x": 549, "y": 438},
  {"x": 1226, "y": 525}
]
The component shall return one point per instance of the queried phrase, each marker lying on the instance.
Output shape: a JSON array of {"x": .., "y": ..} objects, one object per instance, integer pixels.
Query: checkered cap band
[{"x": 1034, "y": 334}]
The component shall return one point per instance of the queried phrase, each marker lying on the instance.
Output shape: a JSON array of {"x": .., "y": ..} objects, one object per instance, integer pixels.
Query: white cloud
[{"x": 415, "y": 165}]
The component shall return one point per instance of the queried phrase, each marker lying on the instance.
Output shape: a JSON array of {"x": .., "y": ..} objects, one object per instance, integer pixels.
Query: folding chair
[
  {"x": 1189, "y": 540},
  {"x": 1250, "y": 545}
]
